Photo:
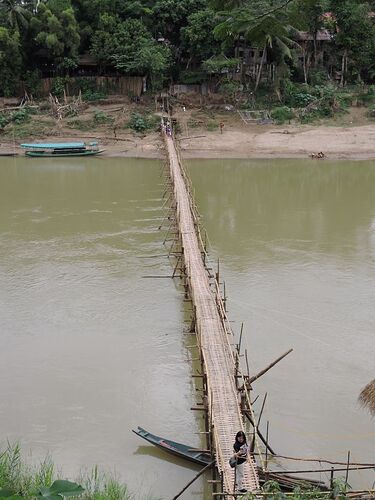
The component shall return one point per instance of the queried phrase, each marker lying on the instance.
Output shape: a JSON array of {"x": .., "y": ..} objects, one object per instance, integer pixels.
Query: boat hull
[
  {"x": 61, "y": 154},
  {"x": 178, "y": 449}
]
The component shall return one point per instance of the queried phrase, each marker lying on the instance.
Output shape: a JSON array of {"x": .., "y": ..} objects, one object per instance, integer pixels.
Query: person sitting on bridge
[{"x": 241, "y": 450}]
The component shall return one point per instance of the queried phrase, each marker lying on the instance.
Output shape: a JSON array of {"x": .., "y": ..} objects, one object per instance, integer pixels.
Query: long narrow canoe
[
  {"x": 63, "y": 153},
  {"x": 55, "y": 149},
  {"x": 178, "y": 449}
]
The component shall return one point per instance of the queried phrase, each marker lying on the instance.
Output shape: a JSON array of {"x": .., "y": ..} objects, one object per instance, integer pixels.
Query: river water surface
[{"x": 91, "y": 347}]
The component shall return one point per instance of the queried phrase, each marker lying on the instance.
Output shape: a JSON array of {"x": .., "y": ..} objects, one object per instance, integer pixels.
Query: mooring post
[
  {"x": 266, "y": 458},
  {"x": 347, "y": 469},
  {"x": 331, "y": 482}
]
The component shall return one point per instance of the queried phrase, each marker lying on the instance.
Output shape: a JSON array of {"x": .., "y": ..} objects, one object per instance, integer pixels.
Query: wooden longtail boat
[
  {"x": 178, "y": 449},
  {"x": 61, "y": 149}
]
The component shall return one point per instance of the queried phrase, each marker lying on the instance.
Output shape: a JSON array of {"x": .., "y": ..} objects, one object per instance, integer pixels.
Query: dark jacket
[{"x": 243, "y": 448}]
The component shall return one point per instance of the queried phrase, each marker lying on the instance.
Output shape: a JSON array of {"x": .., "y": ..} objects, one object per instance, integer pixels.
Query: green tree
[
  {"x": 10, "y": 61},
  {"x": 197, "y": 38},
  {"x": 137, "y": 53},
  {"x": 55, "y": 38},
  {"x": 16, "y": 14},
  {"x": 308, "y": 16},
  {"x": 266, "y": 32},
  {"x": 354, "y": 39},
  {"x": 226, "y": 4},
  {"x": 104, "y": 41},
  {"x": 169, "y": 16}
]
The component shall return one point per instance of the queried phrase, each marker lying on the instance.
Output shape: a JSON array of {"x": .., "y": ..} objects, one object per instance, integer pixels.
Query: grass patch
[
  {"x": 101, "y": 118},
  {"x": 25, "y": 480},
  {"x": 212, "y": 126},
  {"x": 29, "y": 129},
  {"x": 83, "y": 125}
]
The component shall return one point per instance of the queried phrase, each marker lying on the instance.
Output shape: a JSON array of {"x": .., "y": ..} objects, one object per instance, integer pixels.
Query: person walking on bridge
[{"x": 241, "y": 451}]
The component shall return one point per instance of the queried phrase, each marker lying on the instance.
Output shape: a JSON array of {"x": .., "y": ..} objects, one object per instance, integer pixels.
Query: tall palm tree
[
  {"x": 18, "y": 16},
  {"x": 266, "y": 32}
]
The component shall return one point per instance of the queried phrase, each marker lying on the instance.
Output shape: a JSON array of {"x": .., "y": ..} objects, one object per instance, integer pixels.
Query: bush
[
  {"x": 297, "y": 96},
  {"x": 230, "y": 88},
  {"x": 20, "y": 116},
  {"x": 4, "y": 120},
  {"x": 282, "y": 114},
  {"x": 318, "y": 77},
  {"x": 101, "y": 118},
  {"x": 58, "y": 86},
  {"x": 90, "y": 92},
  {"x": 371, "y": 111},
  {"x": 212, "y": 125},
  {"x": 141, "y": 123},
  {"x": 93, "y": 95},
  {"x": 192, "y": 77},
  {"x": 33, "y": 84}
]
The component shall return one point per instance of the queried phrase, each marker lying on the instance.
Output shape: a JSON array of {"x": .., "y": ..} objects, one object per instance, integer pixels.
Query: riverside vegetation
[
  {"x": 199, "y": 41},
  {"x": 19, "y": 480}
]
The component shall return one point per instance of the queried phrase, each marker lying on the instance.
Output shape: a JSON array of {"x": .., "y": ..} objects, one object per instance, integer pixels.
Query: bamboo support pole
[
  {"x": 265, "y": 370},
  {"x": 194, "y": 479}
]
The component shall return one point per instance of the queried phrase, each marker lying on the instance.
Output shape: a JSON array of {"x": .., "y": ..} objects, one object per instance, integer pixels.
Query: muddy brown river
[{"x": 91, "y": 347}]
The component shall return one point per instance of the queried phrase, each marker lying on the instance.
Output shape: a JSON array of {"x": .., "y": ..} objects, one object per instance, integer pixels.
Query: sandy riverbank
[{"x": 237, "y": 141}]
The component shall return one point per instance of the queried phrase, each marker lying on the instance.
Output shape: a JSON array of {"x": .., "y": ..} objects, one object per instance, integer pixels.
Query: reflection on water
[
  {"x": 91, "y": 350},
  {"x": 296, "y": 245}
]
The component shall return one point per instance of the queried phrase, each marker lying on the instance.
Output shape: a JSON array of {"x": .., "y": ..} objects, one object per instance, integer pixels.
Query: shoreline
[{"x": 237, "y": 142}]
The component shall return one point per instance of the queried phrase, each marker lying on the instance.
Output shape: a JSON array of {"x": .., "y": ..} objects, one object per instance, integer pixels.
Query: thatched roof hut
[{"x": 367, "y": 397}]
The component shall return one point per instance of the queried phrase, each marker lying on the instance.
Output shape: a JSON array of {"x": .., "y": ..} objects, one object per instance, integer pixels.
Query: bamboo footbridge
[{"x": 220, "y": 361}]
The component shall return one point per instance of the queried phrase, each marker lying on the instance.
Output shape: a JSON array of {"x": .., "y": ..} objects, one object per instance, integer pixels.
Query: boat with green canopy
[{"x": 61, "y": 149}]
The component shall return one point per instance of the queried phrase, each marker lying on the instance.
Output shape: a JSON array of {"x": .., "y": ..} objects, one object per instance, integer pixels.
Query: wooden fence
[{"x": 125, "y": 85}]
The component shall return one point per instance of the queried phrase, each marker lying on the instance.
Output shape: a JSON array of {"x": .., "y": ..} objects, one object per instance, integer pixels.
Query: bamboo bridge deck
[{"x": 216, "y": 343}]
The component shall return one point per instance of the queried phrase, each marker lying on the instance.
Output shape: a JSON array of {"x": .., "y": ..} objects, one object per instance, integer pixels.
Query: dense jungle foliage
[{"x": 187, "y": 41}]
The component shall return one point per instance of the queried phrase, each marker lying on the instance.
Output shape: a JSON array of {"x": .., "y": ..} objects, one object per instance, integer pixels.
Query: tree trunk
[
  {"x": 304, "y": 63},
  {"x": 260, "y": 68},
  {"x": 343, "y": 68},
  {"x": 315, "y": 48}
]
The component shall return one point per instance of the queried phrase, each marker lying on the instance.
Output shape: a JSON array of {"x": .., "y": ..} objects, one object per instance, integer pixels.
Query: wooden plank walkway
[{"x": 215, "y": 342}]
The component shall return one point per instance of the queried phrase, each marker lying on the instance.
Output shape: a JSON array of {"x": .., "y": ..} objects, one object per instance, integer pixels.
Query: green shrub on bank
[
  {"x": 101, "y": 118},
  {"x": 93, "y": 95},
  {"x": 90, "y": 91},
  {"x": 33, "y": 83},
  {"x": 371, "y": 111},
  {"x": 4, "y": 120},
  {"x": 212, "y": 126},
  {"x": 58, "y": 86},
  {"x": 282, "y": 114},
  {"x": 18, "y": 117},
  {"x": 142, "y": 123}
]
